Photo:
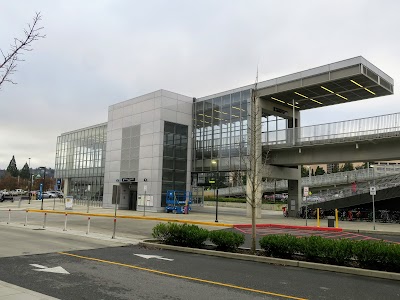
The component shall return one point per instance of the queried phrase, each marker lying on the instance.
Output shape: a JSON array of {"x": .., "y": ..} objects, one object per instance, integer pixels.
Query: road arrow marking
[
  {"x": 153, "y": 256},
  {"x": 59, "y": 269}
]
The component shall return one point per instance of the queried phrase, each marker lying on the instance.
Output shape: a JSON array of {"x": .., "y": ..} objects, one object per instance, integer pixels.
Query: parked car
[
  {"x": 52, "y": 194},
  {"x": 4, "y": 195}
]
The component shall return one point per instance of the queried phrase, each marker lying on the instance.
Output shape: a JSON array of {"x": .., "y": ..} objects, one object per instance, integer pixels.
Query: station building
[{"x": 166, "y": 141}]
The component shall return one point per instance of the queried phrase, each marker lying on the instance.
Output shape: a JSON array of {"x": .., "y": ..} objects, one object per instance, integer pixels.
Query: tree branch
[{"x": 10, "y": 59}]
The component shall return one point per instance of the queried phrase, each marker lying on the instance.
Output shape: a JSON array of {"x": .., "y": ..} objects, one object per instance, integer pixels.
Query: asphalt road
[{"x": 117, "y": 273}]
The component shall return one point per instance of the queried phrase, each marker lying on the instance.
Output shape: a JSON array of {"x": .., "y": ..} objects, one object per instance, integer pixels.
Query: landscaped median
[{"x": 367, "y": 258}]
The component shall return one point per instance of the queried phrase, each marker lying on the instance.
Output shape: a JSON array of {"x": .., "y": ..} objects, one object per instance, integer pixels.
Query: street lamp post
[
  {"x": 215, "y": 162},
  {"x": 373, "y": 192},
  {"x": 44, "y": 182},
  {"x": 29, "y": 183}
]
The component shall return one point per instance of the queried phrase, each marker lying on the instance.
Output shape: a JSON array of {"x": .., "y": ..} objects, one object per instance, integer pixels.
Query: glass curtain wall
[
  {"x": 220, "y": 132},
  {"x": 80, "y": 157},
  {"x": 174, "y": 167}
]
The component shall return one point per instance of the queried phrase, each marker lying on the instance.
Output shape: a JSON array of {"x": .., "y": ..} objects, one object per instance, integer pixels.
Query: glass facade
[
  {"x": 80, "y": 158},
  {"x": 174, "y": 168},
  {"x": 220, "y": 132}
]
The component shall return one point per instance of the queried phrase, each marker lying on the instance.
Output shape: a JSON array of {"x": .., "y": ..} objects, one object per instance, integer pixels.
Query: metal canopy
[{"x": 338, "y": 83}]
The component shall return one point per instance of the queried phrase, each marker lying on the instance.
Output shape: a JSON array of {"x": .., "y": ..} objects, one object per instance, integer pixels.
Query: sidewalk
[
  {"x": 12, "y": 292},
  {"x": 226, "y": 215}
]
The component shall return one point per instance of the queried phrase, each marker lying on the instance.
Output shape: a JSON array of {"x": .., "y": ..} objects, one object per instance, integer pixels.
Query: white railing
[
  {"x": 377, "y": 127},
  {"x": 332, "y": 179}
]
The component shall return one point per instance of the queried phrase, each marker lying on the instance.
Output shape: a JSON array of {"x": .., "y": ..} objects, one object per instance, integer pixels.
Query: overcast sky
[{"x": 98, "y": 53}]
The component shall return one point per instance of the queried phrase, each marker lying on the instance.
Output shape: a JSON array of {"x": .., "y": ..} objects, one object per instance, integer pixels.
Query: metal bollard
[
  {"x": 88, "y": 225},
  {"x": 45, "y": 219},
  {"x": 115, "y": 225},
  {"x": 26, "y": 218},
  {"x": 65, "y": 222},
  {"x": 9, "y": 216}
]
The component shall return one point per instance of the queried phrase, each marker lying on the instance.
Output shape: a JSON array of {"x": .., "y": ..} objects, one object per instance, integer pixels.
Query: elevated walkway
[
  {"x": 387, "y": 187},
  {"x": 321, "y": 181},
  {"x": 367, "y": 139}
]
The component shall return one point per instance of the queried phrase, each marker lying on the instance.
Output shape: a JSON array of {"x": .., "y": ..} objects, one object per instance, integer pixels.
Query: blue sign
[{"x": 40, "y": 192}]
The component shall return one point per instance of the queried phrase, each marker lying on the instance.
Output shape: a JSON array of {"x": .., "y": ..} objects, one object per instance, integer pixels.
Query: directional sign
[
  {"x": 306, "y": 190},
  {"x": 59, "y": 269},
  {"x": 372, "y": 191},
  {"x": 153, "y": 256}
]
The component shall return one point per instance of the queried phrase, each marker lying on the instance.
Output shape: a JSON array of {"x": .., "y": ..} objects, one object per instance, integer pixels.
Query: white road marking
[
  {"x": 59, "y": 269},
  {"x": 153, "y": 256}
]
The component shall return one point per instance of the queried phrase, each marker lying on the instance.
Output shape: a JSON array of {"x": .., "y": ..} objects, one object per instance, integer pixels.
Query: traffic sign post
[
  {"x": 372, "y": 192},
  {"x": 305, "y": 194}
]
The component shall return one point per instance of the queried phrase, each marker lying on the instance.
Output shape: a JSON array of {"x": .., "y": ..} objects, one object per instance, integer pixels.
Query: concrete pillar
[
  {"x": 66, "y": 186},
  {"x": 294, "y": 197},
  {"x": 254, "y": 150}
]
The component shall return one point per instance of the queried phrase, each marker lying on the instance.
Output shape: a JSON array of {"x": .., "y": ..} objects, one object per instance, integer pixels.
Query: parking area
[{"x": 300, "y": 232}]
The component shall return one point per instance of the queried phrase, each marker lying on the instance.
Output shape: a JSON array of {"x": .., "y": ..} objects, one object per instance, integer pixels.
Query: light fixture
[
  {"x": 277, "y": 100},
  {"x": 315, "y": 101},
  {"x": 293, "y": 105},
  {"x": 326, "y": 89},
  {"x": 301, "y": 95},
  {"x": 236, "y": 107},
  {"x": 356, "y": 83},
  {"x": 356, "y": 145},
  {"x": 368, "y": 90},
  {"x": 235, "y": 116},
  {"x": 308, "y": 98},
  {"x": 342, "y": 97}
]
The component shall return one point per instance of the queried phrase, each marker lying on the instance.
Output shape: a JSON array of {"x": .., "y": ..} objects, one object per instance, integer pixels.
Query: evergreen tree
[
  {"x": 347, "y": 167},
  {"x": 319, "y": 171},
  {"x": 24, "y": 173},
  {"x": 12, "y": 168},
  {"x": 304, "y": 171}
]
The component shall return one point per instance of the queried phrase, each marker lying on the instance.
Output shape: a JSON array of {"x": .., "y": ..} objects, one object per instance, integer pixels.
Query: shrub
[
  {"x": 377, "y": 255},
  {"x": 282, "y": 246},
  {"x": 315, "y": 248},
  {"x": 226, "y": 240},
  {"x": 340, "y": 251},
  {"x": 180, "y": 234}
]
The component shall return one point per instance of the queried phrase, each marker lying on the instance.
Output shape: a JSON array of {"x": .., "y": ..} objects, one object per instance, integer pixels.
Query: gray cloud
[{"x": 98, "y": 53}]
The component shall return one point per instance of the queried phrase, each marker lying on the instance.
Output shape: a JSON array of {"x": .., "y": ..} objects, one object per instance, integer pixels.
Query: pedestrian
[
  {"x": 350, "y": 215},
  {"x": 358, "y": 215}
]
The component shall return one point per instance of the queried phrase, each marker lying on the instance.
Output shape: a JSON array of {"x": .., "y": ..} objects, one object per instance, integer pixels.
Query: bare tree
[
  {"x": 17, "y": 48},
  {"x": 255, "y": 161}
]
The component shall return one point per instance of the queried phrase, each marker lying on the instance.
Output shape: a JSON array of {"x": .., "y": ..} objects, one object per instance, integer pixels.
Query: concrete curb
[
  {"x": 131, "y": 217},
  {"x": 279, "y": 261},
  {"x": 290, "y": 227}
]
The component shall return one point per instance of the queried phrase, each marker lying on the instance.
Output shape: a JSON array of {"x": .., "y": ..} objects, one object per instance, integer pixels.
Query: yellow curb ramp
[
  {"x": 279, "y": 261},
  {"x": 131, "y": 217}
]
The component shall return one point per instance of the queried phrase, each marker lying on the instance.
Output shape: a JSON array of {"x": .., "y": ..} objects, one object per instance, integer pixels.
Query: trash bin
[{"x": 331, "y": 221}]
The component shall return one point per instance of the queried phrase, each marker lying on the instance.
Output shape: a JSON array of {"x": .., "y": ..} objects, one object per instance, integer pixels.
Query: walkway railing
[
  {"x": 340, "y": 178},
  {"x": 378, "y": 127},
  {"x": 362, "y": 188}
]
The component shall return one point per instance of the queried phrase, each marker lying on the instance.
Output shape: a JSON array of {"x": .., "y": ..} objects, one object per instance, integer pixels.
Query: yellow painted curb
[{"x": 131, "y": 217}]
